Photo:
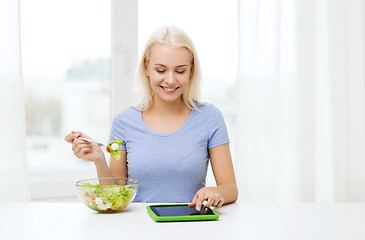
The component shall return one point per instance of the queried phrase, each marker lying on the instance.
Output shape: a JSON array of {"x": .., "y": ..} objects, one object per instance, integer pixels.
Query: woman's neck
[
  {"x": 167, "y": 108},
  {"x": 166, "y": 117}
]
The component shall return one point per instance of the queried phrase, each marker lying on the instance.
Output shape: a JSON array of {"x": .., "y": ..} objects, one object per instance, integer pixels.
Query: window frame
[{"x": 124, "y": 51}]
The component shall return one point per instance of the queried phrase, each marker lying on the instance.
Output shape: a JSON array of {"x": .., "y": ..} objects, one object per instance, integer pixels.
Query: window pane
[{"x": 65, "y": 58}]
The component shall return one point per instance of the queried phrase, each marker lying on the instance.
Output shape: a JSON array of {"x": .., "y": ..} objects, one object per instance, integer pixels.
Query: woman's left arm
[{"x": 226, "y": 190}]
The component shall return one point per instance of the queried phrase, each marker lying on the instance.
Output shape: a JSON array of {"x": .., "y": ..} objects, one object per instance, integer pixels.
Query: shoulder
[
  {"x": 208, "y": 110},
  {"x": 211, "y": 116},
  {"x": 127, "y": 114},
  {"x": 128, "y": 111}
]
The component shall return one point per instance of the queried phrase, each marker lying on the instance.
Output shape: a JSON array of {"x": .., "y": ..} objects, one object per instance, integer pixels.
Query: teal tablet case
[{"x": 157, "y": 218}]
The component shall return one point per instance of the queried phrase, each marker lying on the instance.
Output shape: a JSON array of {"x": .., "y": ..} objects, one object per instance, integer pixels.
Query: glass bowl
[{"x": 107, "y": 195}]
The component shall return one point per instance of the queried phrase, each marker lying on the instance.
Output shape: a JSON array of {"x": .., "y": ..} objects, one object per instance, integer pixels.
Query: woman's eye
[
  {"x": 180, "y": 72},
  {"x": 160, "y": 71}
]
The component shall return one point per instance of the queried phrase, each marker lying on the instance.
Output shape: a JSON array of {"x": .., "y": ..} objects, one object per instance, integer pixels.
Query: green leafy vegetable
[
  {"x": 115, "y": 152},
  {"x": 109, "y": 198}
]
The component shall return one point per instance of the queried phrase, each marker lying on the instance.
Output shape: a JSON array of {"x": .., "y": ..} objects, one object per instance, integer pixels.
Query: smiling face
[{"x": 168, "y": 69}]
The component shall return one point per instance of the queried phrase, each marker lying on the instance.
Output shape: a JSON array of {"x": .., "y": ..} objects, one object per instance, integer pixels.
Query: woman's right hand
[{"x": 82, "y": 149}]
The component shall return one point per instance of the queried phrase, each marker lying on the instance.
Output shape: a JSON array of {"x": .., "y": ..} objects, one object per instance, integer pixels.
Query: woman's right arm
[
  {"x": 118, "y": 168},
  {"x": 90, "y": 152}
]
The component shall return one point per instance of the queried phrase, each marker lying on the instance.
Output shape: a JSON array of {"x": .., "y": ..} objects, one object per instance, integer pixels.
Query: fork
[{"x": 90, "y": 140}]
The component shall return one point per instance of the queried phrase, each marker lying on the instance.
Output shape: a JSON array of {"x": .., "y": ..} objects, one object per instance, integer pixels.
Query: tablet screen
[{"x": 179, "y": 211}]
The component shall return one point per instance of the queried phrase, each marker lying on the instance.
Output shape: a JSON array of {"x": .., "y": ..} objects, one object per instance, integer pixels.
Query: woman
[{"x": 169, "y": 138}]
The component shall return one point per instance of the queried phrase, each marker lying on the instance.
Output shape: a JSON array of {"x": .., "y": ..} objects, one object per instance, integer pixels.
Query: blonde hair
[{"x": 173, "y": 37}]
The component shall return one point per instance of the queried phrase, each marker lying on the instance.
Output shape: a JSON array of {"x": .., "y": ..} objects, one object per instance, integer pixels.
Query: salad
[
  {"x": 111, "y": 198},
  {"x": 113, "y": 148}
]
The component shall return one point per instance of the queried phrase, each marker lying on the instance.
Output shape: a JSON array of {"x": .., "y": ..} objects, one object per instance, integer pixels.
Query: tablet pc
[{"x": 180, "y": 212}]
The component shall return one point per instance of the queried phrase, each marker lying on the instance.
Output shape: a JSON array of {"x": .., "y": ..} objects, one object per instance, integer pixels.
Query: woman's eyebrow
[{"x": 161, "y": 65}]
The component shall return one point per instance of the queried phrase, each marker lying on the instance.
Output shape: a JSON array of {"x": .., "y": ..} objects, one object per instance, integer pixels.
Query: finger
[
  {"x": 76, "y": 146},
  {"x": 218, "y": 199},
  {"x": 72, "y": 136},
  {"x": 193, "y": 202},
  {"x": 209, "y": 202},
  {"x": 216, "y": 202},
  {"x": 79, "y": 141},
  {"x": 69, "y": 138},
  {"x": 220, "y": 203},
  {"x": 75, "y": 143},
  {"x": 199, "y": 202},
  {"x": 81, "y": 134},
  {"x": 76, "y": 134},
  {"x": 82, "y": 152}
]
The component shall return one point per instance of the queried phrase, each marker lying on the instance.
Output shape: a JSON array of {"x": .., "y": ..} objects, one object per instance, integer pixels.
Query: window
[{"x": 66, "y": 69}]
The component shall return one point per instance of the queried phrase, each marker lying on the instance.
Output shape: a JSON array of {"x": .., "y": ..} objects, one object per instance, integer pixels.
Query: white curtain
[
  {"x": 13, "y": 167},
  {"x": 301, "y": 101}
]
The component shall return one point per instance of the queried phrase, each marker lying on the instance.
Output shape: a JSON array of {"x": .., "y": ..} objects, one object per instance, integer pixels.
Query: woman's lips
[{"x": 168, "y": 89}]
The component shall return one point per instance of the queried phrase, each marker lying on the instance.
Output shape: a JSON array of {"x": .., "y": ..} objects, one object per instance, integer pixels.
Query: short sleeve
[
  {"x": 217, "y": 129},
  {"x": 117, "y": 130}
]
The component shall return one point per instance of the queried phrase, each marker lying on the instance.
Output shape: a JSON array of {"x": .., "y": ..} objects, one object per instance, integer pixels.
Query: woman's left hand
[{"x": 209, "y": 194}]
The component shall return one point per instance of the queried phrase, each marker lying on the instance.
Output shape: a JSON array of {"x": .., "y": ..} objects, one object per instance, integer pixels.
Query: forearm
[
  {"x": 102, "y": 168},
  {"x": 222, "y": 166}
]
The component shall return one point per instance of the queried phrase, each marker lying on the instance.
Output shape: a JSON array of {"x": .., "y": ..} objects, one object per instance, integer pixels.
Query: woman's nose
[{"x": 169, "y": 79}]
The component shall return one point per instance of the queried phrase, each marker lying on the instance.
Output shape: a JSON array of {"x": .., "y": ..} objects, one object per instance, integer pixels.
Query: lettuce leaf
[
  {"x": 115, "y": 153},
  {"x": 117, "y": 196}
]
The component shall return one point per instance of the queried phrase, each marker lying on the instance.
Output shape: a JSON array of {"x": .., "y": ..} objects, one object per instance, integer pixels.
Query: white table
[{"x": 68, "y": 220}]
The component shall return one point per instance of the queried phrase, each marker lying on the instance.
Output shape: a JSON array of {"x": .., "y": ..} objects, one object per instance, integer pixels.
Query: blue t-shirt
[{"x": 170, "y": 167}]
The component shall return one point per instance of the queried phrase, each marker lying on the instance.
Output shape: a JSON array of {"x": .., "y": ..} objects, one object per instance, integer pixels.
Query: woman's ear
[{"x": 146, "y": 68}]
